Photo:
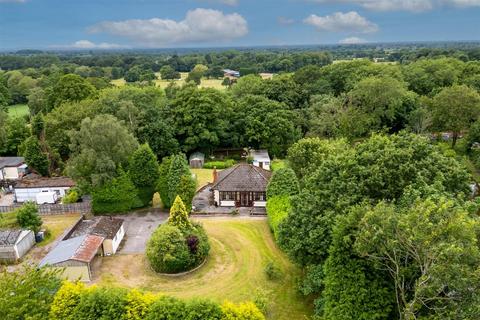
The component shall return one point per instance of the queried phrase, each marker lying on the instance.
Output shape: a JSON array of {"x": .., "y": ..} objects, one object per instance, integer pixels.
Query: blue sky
[{"x": 104, "y": 24}]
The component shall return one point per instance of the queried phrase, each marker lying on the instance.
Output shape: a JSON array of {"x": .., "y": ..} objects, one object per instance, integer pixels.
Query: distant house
[
  {"x": 111, "y": 229},
  {"x": 14, "y": 244},
  {"x": 27, "y": 189},
  {"x": 227, "y": 73},
  {"x": 75, "y": 257},
  {"x": 260, "y": 159},
  {"x": 197, "y": 160},
  {"x": 12, "y": 168},
  {"x": 243, "y": 185}
]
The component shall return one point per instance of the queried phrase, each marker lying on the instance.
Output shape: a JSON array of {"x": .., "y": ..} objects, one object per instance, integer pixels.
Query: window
[
  {"x": 227, "y": 196},
  {"x": 259, "y": 196}
]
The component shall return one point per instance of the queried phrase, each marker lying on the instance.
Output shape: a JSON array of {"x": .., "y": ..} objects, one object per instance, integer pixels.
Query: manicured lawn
[
  {"x": 18, "y": 110},
  {"x": 234, "y": 271},
  {"x": 57, "y": 226},
  {"x": 204, "y": 176}
]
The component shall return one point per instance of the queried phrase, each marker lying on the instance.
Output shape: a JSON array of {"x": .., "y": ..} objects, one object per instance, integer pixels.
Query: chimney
[{"x": 215, "y": 174}]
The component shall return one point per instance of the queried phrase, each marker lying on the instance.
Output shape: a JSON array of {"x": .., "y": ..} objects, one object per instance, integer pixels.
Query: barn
[
  {"x": 14, "y": 244},
  {"x": 75, "y": 257},
  {"x": 197, "y": 160}
]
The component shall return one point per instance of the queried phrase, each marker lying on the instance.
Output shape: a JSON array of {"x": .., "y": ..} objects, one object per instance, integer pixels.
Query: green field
[
  {"x": 234, "y": 271},
  {"x": 18, "y": 110},
  {"x": 206, "y": 83}
]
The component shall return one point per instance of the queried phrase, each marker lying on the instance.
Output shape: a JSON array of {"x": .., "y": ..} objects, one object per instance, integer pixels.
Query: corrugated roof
[
  {"x": 9, "y": 237},
  {"x": 242, "y": 177},
  {"x": 106, "y": 227},
  {"x": 11, "y": 161},
  {"x": 81, "y": 248},
  {"x": 45, "y": 182}
]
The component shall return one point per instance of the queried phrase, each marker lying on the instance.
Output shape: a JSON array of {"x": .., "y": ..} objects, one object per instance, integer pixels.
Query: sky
[{"x": 117, "y": 24}]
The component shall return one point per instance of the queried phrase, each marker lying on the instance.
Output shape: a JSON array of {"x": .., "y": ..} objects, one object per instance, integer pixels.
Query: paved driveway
[{"x": 138, "y": 229}]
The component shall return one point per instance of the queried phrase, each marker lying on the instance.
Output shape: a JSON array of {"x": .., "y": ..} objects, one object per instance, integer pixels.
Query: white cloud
[
  {"x": 352, "y": 40},
  {"x": 406, "y": 5},
  {"x": 285, "y": 21},
  {"x": 199, "y": 25},
  {"x": 350, "y": 22},
  {"x": 86, "y": 44}
]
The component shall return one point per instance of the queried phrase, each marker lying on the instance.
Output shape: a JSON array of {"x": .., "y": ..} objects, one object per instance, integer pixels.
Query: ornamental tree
[
  {"x": 179, "y": 215},
  {"x": 143, "y": 172}
]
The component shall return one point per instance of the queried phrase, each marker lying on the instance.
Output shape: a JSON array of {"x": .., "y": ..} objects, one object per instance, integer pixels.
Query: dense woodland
[{"x": 375, "y": 201}]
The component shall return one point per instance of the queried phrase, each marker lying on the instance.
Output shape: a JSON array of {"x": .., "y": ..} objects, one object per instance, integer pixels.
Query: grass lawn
[
  {"x": 18, "y": 110},
  {"x": 204, "y": 176},
  {"x": 278, "y": 164},
  {"x": 206, "y": 83},
  {"x": 57, "y": 225},
  {"x": 8, "y": 220},
  {"x": 234, "y": 271}
]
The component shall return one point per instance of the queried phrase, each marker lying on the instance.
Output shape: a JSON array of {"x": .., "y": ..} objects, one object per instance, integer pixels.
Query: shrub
[
  {"x": 118, "y": 195},
  {"x": 28, "y": 218},
  {"x": 203, "y": 309},
  {"x": 284, "y": 182},
  {"x": 66, "y": 300},
  {"x": 72, "y": 196},
  {"x": 138, "y": 305},
  {"x": 272, "y": 271},
  {"x": 186, "y": 190},
  {"x": 242, "y": 311},
  {"x": 167, "y": 308},
  {"x": 143, "y": 172},
  {"x": 176, "y": 180},
  {"x": 179, "y": 215},
  {"x": 201, "y": 248},
  {"x": 101, "y": 303},
  {"x": 219, "y": 164},
  {"x": 167, "y": 250},
  {"x": 277, "y": 211}
]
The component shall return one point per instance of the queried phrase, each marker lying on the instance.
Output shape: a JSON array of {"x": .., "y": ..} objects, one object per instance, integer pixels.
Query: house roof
[
  {"x": 260, "y": 155},
  {"x": 53, "y": 182},
  {"x": 9, "y": 237},
  {"x": 11, "y": 161},
  {"x": 81, "y": 248},
  {"x": 242, "y": 177},
  {"x": 106, "y": 227}
]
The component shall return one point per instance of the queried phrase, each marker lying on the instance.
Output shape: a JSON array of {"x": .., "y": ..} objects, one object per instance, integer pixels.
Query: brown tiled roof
[
  {"x": 242, "y": 177},
  {"x": 45, "y": 182},
  {"x": 88, "y": 248},
  {"x": 107, "y": 227}
]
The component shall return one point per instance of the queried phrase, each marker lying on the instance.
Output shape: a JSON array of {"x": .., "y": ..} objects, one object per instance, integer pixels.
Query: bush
[
  {"x": 277, "y": 210},
  {"x": 243, "y": 311},
  {"x": 143, "y": 172},
  {"x": 72, "y": 196},
  {"x": 272, "y": 271},
  {"x": 284, "y": 182},
  {"x": 203, "y": 309},
  {"x": 101, "y": 303},
  {"x": 118, "y": 195},
  {"x": 66, "y": 300},
  {"x": 219, "y": 164},
  {"x": 176, "y": 180},
  {"x": 138, "y": 305},
  {"x": 167, "y": 308},
  {"x": 28, "y": 218}
]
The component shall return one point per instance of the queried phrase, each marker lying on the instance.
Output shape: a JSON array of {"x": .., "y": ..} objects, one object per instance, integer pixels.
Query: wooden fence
[{"x": 55, "y": 209}]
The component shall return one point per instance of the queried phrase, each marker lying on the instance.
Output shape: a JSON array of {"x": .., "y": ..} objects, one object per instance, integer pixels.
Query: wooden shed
[
  {"x": 74, "y": 256},
  {"x": 197, "y": 159},
  {"x": 14, "y": 244}
]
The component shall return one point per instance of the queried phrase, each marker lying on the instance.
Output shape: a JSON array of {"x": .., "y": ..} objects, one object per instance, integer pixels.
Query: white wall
[
  {"x": 260, "y": 204},
  {"x": 24, "y": 243},
  {"x": 227, "y": 203},
  {"x": 29, "y": 194},
  {"x": 10, "y": 173},
  {"x": 117, "y": 239},
  {"x": 216, "y": 196},
  {"x": 266, "y": 163}
]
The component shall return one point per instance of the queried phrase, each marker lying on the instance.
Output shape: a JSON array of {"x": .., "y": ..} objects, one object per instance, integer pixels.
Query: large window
[
  {"x": 227, "y": 196},
  {"x": 259, "y": 196}
]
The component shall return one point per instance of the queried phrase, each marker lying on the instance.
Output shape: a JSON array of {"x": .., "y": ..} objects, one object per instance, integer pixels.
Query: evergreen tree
[
  {"x": 144, "y": 172},
  {"x": 35, "y": 157},
  {"x": 38, "y": 126},
  {"x": 179, "y": 215}
]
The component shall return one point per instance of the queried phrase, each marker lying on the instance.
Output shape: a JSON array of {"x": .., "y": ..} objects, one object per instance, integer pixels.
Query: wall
[
  {"x": 216, "y": 196},
  {"x": 73, "y": 273},
  {"x": 117, "y": 239},
  {"x": 8, "y": 254},
  {"x": 24, "y": 195},
  {"x": 24, "y": 243},
  {"x": 261, "y": 204},
  {"x": 227, "y": 203},
  {"x": 10, "y": 173}
]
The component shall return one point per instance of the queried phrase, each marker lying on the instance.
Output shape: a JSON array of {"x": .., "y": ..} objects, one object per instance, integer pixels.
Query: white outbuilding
[
  {"x": 260, "y": 159},
  {"x": 32, "y": 189},
  {"x": 14, "y": 244}
]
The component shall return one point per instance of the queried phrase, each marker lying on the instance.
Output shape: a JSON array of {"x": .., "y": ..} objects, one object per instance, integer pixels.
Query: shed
[
  {"x": 12, "y": 168},
  {"x": 260, "y": 159},
  {"x": 14, "y": 244},
  {"x": 197, "y": 159},
  {"x": 74, "y": 256},
  {"x": 28, "y": 188}
]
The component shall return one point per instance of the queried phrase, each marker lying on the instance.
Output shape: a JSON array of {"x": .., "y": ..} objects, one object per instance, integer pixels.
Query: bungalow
[
  {"x": 260, "y": 159},
  {"x": 111, "y": 229},
  {"x": 12, "y": 168},
  {"x": 27, "y": 189},
  {"x": 243, "y": 185},
  {"x": 14, "y": 244},
  {"x": 75, "y": 257}
]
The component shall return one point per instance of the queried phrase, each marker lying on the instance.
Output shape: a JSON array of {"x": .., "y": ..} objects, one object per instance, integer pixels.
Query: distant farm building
[
  {"x": 243, "y": 185},
  {"x": 231, "y": 74},
  {"x": 260, "y": 159},
  {"x": 197, "y": 160},
  {"x": 12, "y": 168},
  {"x": 14, "y": 244},
  {"x": 31, "y": 189},
  {"x": 75, "y": 257}
]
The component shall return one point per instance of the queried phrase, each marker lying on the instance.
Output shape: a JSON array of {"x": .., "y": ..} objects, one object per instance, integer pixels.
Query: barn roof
[
  {"x": 81, "y": 248},
  {"x": 242, "y": 177},
  {"x": 106, "y": 227},
  {"x": 11, "y": 161},
  {"x": 53, "y": 182}
]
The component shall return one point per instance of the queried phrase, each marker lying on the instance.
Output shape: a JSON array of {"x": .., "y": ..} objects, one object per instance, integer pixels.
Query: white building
[
  {"x": 27, "y": 189},
  {"x": 14, "y": 244},
  {"x": 12, "y": 168},
  {"x": 260, "y": 159}
]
